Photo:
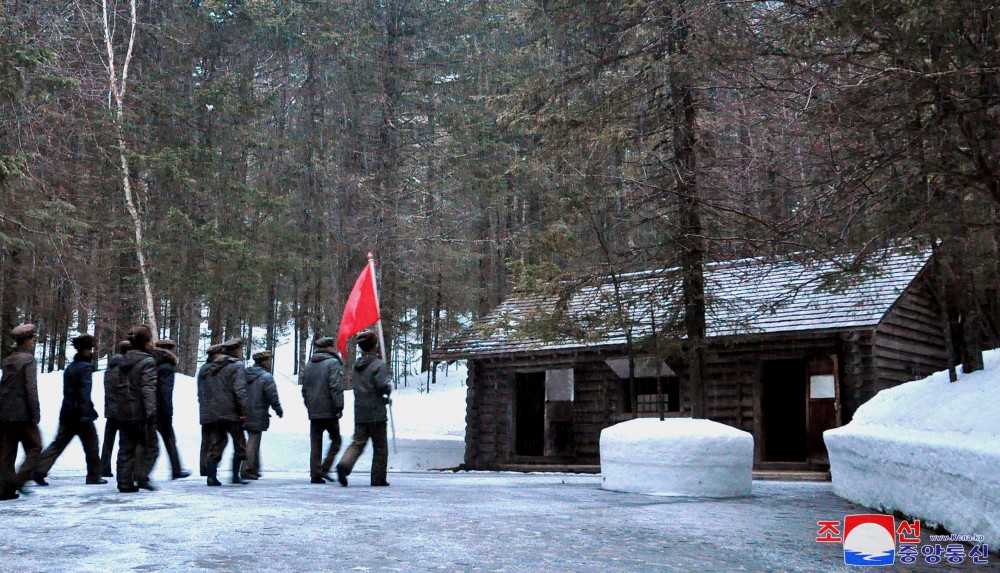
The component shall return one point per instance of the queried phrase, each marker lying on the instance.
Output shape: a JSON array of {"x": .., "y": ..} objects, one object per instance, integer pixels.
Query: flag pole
[
  {"x": 378, "y": 305},
  {"x": 381, "y": 342}
]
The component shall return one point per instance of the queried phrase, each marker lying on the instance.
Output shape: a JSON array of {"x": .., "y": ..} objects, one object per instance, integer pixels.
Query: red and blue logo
[{"x": 869, "y": 539}]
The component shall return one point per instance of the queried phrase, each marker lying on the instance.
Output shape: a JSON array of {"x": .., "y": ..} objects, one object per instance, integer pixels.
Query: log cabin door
[
  {"x": 529, "y": 414},
  {"x": 823, "y": 407}
]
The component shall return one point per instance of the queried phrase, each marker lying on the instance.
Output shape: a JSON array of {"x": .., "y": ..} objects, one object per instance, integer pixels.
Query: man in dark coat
[
  {"x": 166, "y": 365},
  {"x": 136, "y": 396},
  {"x": 212, "y": 352},
  {"x": 222, "y": 400},
  {"x": 262, "y": 395},
  {"x": 76, "y": 418},
  {"x": 322, "y": 382},
  {"x": 372, "y": 388},
  {"x": 19, "y": 412},
  {"x": 111, "y": 406}
]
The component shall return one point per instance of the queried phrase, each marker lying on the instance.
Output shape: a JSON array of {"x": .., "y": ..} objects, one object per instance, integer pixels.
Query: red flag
[{"x": 361, "y": 310}]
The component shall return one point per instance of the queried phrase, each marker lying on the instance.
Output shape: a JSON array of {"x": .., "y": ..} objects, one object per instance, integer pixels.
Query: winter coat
[
  {"x": 19, "y": 388},
  {"x": 77, "y": 383},
  {"x": 371, "y": 387},
  {"x": 262, "y": 394},
  {"x": 110, "y": 380},
  {"x": 323, "y": 385},
  {"x": 135, "y": 388},
  {"x": 222, "y": 390},
  {"x": 166, "y": 364}
]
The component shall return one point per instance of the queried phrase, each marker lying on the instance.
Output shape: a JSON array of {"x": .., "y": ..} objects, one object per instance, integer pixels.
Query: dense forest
[{"x": 234, "y": 161}]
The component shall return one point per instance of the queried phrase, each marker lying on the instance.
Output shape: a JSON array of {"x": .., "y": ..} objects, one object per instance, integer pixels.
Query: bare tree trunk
[
  {"x": 117, "y": 88},
  {"x": 190, "y": 334},
  {"x": 685, "y": 126},
  {"x": 272, "y": 319}
]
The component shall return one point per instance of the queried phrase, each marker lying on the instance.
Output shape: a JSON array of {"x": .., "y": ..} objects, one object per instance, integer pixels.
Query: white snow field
[
  {"x": 676, "y": 457},
  {"x": 930, "y": 449},
  {"x": 430, "y": 426}
]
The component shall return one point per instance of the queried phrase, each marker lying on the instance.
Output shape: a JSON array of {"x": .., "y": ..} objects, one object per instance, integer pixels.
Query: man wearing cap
[
  {"x": 166, "y": 365},
  {"x": 322, "y": 382},
  {"x": 372, "y": 388},
  {"x": 76, "y": 418},
  {"x": 111, "y": 377},
  {"x": 19, "y": 412},
  {"x": 136, "y": 396},
  {"x": 262, "y": 394},
  {"x": 222, "y": 399},
  {"x": 212, "y": 352}
]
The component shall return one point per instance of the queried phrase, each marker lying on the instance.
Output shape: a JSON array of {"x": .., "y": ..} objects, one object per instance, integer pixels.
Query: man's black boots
[
  {"x": 212, "y": 470},
  {"x": 237, "y": 464}
]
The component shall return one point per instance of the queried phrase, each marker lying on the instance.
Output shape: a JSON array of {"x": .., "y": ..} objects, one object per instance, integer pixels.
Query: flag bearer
[{"x": 372, "y": 388}]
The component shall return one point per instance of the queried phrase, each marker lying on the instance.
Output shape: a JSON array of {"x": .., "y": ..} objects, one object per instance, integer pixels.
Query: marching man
[{"x": 372, "y": 387}]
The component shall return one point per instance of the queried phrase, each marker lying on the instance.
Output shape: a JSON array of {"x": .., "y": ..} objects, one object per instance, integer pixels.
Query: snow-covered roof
[{"x": 747, "y": 296}]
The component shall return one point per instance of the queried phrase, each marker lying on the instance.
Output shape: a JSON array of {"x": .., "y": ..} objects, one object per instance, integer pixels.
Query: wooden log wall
[
  {"x": 909, "y": 344},
  {"x": 489, "y": 402}
]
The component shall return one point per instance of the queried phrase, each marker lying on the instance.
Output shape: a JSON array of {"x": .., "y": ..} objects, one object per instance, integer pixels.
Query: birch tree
[{"x": 117, "y": 88}]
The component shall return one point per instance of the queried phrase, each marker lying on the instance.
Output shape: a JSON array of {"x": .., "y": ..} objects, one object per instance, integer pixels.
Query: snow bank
[
  {"x": 930, "y": 449},
  {"x": 676, "y": 457},
  {"x": 430, "y": 426}
]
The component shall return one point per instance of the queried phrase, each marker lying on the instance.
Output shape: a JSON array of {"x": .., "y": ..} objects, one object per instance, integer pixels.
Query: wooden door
[{"x": 823, "y": 396}]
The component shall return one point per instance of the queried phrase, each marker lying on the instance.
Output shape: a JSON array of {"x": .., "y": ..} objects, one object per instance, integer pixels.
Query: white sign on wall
[
  {"x": 822, "y": 386},
  {"x": 559, "y": 385}
]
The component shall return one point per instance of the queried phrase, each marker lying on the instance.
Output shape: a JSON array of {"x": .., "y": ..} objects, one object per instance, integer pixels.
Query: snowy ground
[
  {"x": 930, "y": 449},
  {"x": 423, "y": 522},
  {"x": 430, "y": 426}
]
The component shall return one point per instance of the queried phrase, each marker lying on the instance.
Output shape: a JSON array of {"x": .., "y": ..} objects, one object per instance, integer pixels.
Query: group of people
[{"x": 234, "y": 401}]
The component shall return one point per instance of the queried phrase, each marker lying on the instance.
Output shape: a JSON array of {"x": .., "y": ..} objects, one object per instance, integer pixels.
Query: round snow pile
[{"x": 676, "y": 457}]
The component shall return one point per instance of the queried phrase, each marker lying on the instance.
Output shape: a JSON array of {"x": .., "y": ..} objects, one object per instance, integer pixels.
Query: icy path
[{"x": 423, "y": 522}]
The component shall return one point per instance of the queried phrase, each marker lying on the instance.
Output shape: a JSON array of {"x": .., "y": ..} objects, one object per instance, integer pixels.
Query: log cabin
[{"x": 793, "y": 348}]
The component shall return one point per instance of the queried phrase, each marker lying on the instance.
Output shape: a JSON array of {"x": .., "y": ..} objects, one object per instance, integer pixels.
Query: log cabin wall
[
  {"x": 491, "y": 413},
  {"x": 909, "y": 343},
  {"x": 906, "y": 345}
]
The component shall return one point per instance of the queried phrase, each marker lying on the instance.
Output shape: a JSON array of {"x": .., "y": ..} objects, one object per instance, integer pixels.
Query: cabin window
[{"x": 648, "y": 400}]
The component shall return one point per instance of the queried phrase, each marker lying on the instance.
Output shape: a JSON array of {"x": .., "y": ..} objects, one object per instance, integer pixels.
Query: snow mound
[
  {"x": 930, "y": 449},
  {"x": 676, "y": 457}
]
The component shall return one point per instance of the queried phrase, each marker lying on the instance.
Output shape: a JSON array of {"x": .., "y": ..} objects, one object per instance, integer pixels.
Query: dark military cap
[
  {"x": 23, "y": 332},
  {"x": 214, "y": 349},
  {"x": 165, "y": 343},
  {"x": 261, "y": 356},
  {"x": 325, "y": 342},
  {"x": 367, "y": 340},
  {"x": 232, "y": 344},
  {"x": 84, "y": 342},
  {"x": 139, "y": 336}
]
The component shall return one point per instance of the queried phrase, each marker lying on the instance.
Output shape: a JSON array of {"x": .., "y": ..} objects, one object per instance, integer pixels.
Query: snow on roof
[{"x": 747, "y": 296}]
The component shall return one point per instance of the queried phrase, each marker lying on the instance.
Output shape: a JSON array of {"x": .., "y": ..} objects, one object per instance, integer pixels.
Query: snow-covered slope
[
  {"x": 430, "y": 426},
  {"x": 928, "y": 448}
]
